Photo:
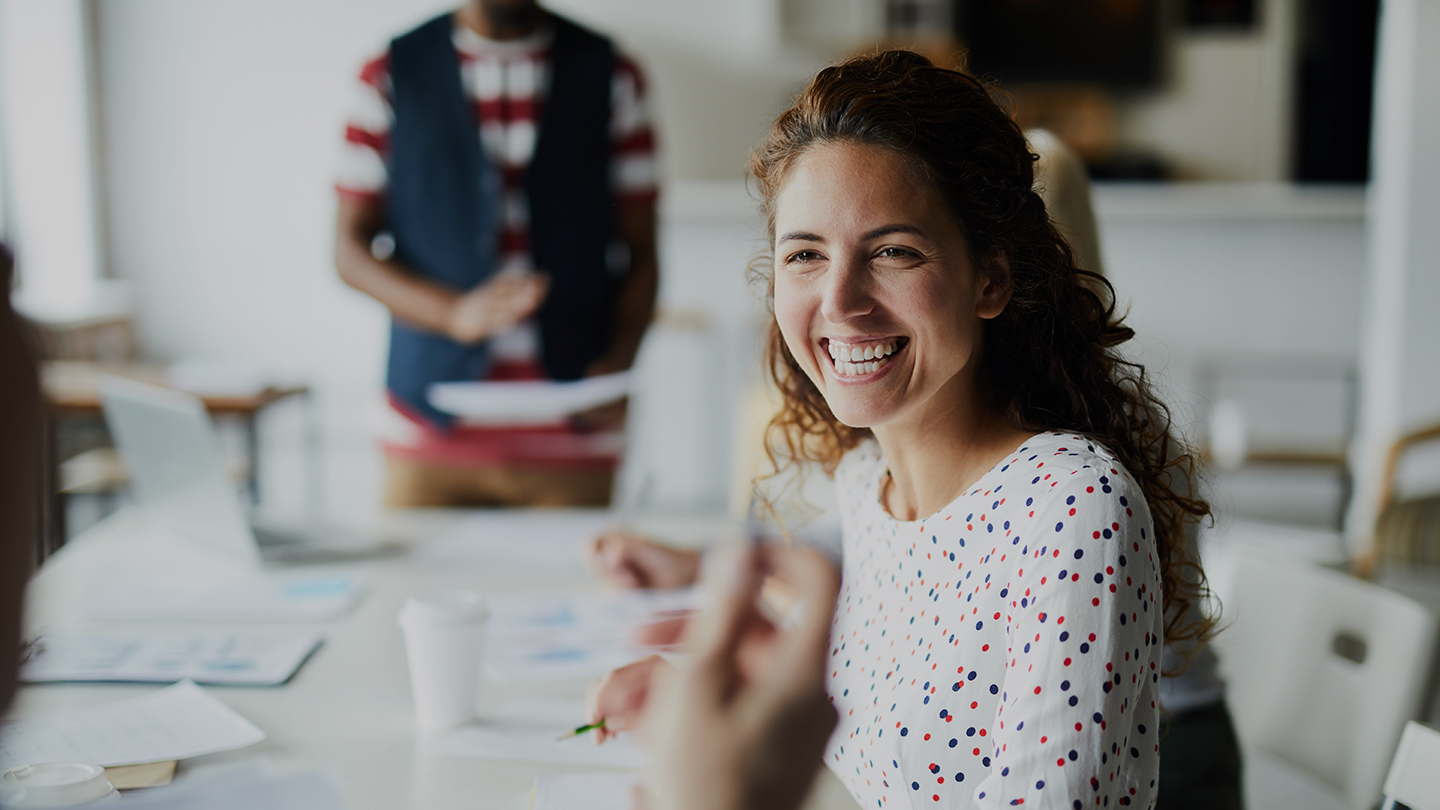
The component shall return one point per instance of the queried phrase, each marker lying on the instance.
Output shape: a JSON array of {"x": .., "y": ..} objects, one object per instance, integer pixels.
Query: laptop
[{"x": 177, "y": 474}]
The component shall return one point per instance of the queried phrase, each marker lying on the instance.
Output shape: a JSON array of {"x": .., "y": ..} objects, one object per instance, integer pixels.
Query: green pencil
[{"x": 581, "y": 730}]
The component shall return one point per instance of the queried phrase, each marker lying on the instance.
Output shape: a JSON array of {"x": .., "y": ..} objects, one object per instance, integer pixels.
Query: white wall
[
  {"x": 222, "y": 123},
  {"x": 46, "y": 129},
  {"x": 1402, "y": 368},
  {"x": 1225, "y": 112}
]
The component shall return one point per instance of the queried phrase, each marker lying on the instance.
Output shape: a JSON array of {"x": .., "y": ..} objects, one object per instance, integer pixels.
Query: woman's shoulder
[{"x": 1061, "y": 464}]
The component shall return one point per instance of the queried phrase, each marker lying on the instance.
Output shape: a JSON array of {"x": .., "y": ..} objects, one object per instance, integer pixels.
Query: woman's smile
[{"x": 861, "y": 359}]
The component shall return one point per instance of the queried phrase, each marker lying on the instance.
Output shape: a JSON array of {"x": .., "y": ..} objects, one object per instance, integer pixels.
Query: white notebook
[{"x": 214, "y": 657}]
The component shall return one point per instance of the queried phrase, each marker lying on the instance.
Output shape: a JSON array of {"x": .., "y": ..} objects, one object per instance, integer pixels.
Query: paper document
[
  {"x": 526, "y": 402},
  {"x": 248, "y": 787},
  {"x": 224, "y": 658},
  {"x": 247, "y": 597},
  {"x": 540, "y": 636},
  {"x": 586, "y": 791},
  {"x": 554, "y": 538},
  {"x": 525, "y": 730},
  {"x": 176, "y": 722}
]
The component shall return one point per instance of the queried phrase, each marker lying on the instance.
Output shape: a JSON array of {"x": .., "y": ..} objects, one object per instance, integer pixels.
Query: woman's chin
[{"x": 857, "y": 415}]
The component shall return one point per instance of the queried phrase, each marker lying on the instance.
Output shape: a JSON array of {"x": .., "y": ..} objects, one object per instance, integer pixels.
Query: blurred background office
[{"x": 1264, "y": 183}]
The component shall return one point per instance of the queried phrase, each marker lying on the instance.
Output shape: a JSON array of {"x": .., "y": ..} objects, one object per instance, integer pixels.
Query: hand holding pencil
[
  {"x": 745, "y": 724},
  {"x": 616, "y": 702}
]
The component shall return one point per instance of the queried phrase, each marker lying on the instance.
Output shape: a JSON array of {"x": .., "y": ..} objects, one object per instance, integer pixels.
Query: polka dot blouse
[{"x": 1004, "y": 651}]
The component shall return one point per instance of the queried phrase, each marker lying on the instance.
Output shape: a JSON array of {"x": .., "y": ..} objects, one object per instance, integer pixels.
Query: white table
[{"x": 349, "y": 706}]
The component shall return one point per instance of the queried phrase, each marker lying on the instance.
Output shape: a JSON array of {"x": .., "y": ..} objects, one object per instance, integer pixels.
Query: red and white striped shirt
[{"x": 507, "y": 82}]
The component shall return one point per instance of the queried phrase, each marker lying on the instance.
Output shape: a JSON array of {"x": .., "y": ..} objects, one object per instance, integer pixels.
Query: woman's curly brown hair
[{"x": 1051, "y": 360}]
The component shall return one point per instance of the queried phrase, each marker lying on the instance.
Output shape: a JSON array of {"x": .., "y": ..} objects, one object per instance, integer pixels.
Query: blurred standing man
[{"x": 497, "y": 195}]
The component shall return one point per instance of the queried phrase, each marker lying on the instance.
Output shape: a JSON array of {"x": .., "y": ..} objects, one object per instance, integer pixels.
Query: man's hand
[
  {"x": 496, "y": 305},
  {"x": 744, "y": 726}
]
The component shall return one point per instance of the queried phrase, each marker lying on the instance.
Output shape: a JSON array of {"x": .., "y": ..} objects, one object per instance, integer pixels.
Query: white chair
[
  {"x": 1323, "y": 670},
  {"x": 1414, "y": 779}
]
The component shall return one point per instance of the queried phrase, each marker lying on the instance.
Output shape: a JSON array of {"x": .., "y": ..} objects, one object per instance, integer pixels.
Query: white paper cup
[{"x": 444, "y": 637}]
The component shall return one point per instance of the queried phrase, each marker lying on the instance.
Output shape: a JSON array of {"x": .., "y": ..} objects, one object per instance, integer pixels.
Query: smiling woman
[
  {"x": 1012, "y": 504},
  {"x": 1013, "y": 510}
]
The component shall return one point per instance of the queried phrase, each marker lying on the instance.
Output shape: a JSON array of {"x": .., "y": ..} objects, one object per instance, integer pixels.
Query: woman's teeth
[{"x": 853, "y": 360}]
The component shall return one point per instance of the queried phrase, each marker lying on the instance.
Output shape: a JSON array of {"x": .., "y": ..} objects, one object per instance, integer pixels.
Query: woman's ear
[{"x": 995, "y": 287}]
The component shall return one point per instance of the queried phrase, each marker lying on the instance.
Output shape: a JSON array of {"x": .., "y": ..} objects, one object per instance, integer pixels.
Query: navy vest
[{"x": 443, "y": 206}]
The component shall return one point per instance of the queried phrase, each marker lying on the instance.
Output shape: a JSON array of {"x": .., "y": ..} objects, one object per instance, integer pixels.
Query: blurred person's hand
[
  {"x": 496, "y": 305},
  {"x": 620, "y": 697},
  {"x": 744, "y": 726},
  {"x": 664, "y": 629},
  {"x": 631, "y": 561},
  {"x": 610, "y": 416}
]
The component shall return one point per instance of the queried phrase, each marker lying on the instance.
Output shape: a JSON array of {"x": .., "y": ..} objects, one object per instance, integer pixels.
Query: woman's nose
[{"x": 847, "y": 292}]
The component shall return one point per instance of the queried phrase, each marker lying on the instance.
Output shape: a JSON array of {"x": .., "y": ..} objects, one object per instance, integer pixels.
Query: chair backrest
[
  {"x": 1323, "y": 669},
  {"x": 1414, "y": 779}
]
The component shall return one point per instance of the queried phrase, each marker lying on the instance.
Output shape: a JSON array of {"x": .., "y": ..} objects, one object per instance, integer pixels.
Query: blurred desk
[
  {"x": 73, "y": 388},
  {"x": 72, "y": 392},
  {"x": 349, "y": 706}
]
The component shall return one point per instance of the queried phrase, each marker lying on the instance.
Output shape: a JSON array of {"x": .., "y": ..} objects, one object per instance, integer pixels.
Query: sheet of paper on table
[
  {"x": 526, "y": 402},
  {"x": 247, "y": 787},
  {"x": 586, "y": 791},
  {"x": 263, "y": 596},
  {"x": 176, "y": 722},
  {"x": 554, "y": 538},
  {"x": 534, "y": 637},
  {"x": 525, "y": 730},
  {"x": 212, "y": 657}
]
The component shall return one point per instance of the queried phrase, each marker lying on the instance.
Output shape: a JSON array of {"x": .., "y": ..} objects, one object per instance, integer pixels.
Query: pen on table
[{"x": 581, "y": 730}]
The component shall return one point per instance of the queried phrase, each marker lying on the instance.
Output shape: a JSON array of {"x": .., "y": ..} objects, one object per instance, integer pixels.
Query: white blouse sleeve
[{"x": 1077, "y": 719}]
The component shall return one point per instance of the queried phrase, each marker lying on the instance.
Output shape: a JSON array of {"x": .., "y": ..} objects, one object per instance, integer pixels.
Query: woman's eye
[
  {"x": 802, "y": 257},
  {"x": 896, "y": 253}
]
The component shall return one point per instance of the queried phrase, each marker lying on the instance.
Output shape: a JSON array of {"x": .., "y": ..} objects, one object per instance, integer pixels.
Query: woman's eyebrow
[
  {"x": 886, "y": 230},
  {"x": 883, "y": 230}
]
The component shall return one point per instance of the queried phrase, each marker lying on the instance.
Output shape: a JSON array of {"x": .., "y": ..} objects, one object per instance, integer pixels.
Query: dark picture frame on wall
[
  {"x": 1115, "y": 44},
  {"x": 1229, "y": 15}
]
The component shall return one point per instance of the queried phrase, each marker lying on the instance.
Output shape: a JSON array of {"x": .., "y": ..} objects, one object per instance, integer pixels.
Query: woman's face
[{"x": 876, "y": 293}]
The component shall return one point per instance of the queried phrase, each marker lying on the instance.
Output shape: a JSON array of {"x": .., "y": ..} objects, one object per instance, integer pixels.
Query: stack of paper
[
  {"x": 248, "y": 597},
  {"x": 528, "y": 730},
  {"x": 555, "y": 538},
  {"x": 538, "y": 637},
  {"x": 177, "y": 722},
  {"x": 590, "y": 791},
  {"x": 246, "y": 788},
  {"x": 526, "y": 403},
  {"x": 232, "y": 659}
]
